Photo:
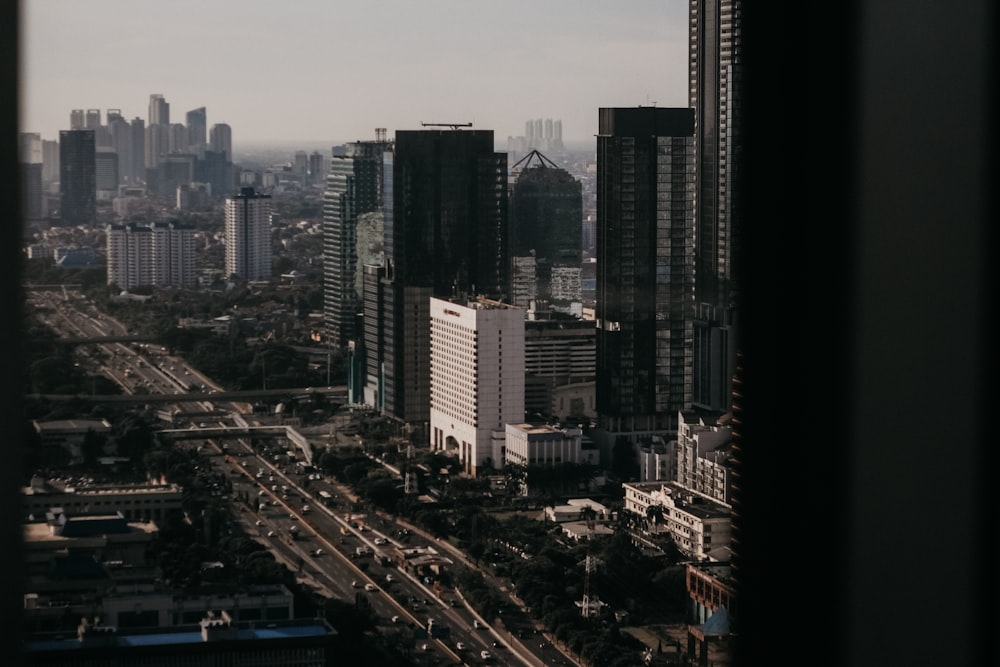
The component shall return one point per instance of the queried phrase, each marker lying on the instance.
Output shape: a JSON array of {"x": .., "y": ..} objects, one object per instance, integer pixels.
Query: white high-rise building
[
  {"x": 161, "y": 254},
  {"x": 477, "y": 379},
  {"x": 248, "y": 235}
]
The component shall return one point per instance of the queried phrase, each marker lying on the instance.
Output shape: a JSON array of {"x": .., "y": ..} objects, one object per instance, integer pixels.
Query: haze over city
[{"x": 332, "y": 71}]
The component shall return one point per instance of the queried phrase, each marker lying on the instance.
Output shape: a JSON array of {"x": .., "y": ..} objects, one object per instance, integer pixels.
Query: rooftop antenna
[{"x": 453, "y": 126}]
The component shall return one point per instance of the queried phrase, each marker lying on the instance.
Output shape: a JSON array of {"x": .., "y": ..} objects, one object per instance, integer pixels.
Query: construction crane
[{"x": 453, "y": 126}]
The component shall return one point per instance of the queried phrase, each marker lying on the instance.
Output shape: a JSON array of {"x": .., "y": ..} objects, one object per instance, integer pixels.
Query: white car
[
  {"x": 460, "y": 646},
  {"x": 485, "y": 655},
  {"x": 370, "y": 587}
]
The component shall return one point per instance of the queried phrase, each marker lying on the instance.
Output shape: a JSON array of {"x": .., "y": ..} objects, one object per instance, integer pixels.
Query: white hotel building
[{"x": 477, "y": 379}]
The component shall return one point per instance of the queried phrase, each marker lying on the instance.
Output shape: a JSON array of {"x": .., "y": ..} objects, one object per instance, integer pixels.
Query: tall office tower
[
  {"x": 172, "y": 254},
  {"x": 33, "y": 199},
  {"x": 77, "y": 119},
  {"x": 159, "y": 110},
  {"x": 714, "y": 63},
  {"x": 30, "y": 148},
  {"x": 50, "y": 160},
  {"x": 177, "y": 138},
  {"x": 373, "y": 312},
  {"x": 446, "y": 234},
  {"x": 315, "y": 168},
  {"x": 713, "y": 92},
  {"x": 106, "y": 171},
  {"x": 197, "y": 128},
  {"x": 77, "y": 177},
  {"x": 112, "y": 115},
  {"x": 92, "y": 120},
  {"x": 248, "y": 235},
  {"x": 121, "y": 143},
  {"x": 137, "y": 173},
  {"x": 353, "y": 188},
  {"x": 529, "y": 132},
  {"x": 557, "y": 142},
  {"x": 538, "y": 133},
  {"x": 645, "y": 269},
  {"x": 213, "y": 169},
  {"x": 157, "y": 144},
  {"x": 548, "y": 134},
  {"x": 129, "y": 248},
  {"x": 546, "y": 220},
  {"x": 476, "y": 378},
  {"x": 220, "y": 138}
]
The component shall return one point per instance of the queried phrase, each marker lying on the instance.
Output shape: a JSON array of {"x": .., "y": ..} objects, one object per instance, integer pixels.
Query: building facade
[
  {"x": 704, "y": 443},
  {"x": 546, "y": 217},
  {"x": 476, "y": 379},
  {"x": 78, "y": 177},
  {"x": 353, "y": 188},
  {"x": 446, "y": 233},
  {"x": 560, "y": 364},
  {"x": 698, "y": 525},
  {"x": 161, "y": 254},
  {"x": 248, "y": 235},
  {"x": 645, "y": 269}
]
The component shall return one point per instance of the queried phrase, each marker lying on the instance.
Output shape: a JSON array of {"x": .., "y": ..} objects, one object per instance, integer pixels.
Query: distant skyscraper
[
  {"x": 645, "y": 268},
  {"x": 137, "y": 172},
  {"x": 316, "y": 171},
  {"x": 159, "y": 110},
  {"x": 446, "y": 234},
  {"x": 353, "y": 188},
  {"x": 77, "y": 120},
  {"x": 221, "y": 139},
  {"x": 92, "y": 120},
  {"x": 121, "y": 143},
  {"x": 715, "y": 62},
  {"x": 546, "y": 219},
  {"x": 106, "y": 171},
  {"x": 50, "y": 161},
  {"x": 197, "y": 129},
  {"x": 33, "y": 197},
  {"x": 77, "y": 177},
  {"x": 177, "y": 138},
  {"x": 248, "y": 235}
]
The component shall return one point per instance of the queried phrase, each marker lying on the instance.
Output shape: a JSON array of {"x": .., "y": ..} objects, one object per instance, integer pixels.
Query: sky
[{"x": 332, "y": 71}]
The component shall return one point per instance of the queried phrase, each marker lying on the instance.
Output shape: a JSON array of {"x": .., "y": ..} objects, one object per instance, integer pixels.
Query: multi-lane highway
[{"x": 304, "y": 519}]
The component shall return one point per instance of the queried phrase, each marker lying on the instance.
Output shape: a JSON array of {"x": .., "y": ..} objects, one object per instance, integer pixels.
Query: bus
[{"x": 325, "y": 495}]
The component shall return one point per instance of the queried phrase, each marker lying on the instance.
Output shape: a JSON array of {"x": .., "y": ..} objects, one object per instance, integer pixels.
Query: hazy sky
[{"x": 333, "y": 71}]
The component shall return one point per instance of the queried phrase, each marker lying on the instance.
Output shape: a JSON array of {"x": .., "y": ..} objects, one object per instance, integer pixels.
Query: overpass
[
  {"x": 338, "y": 392},
  {"x": 242, "y": 430}
]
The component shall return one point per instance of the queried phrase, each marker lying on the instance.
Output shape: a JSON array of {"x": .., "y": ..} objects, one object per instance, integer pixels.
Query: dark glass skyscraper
[
  {"x": 546, "y": 216},
  {"x": 446, "y": 233},
  {"x": 197, "y": 129},
  {"x": 645, "y": 267},
  {"x": 77, "y": 177},
  {"x": 715, "y": 62},
  {"x": 353, "y": 188}
]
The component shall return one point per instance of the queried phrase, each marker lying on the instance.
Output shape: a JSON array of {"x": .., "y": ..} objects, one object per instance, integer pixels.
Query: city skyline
[{"x": 493, "y": 66}]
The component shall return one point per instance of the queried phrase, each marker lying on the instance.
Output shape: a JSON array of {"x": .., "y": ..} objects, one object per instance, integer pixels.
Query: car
[
  {"x": 318, "y": 552},
  {"x": 485, "y": 655},
  {"x": 270, "y": 533},
  {"x": 370, "y": 587},
  {"x": 395, "y": 619},
  {"x": 292, "y": 517},
  {"x": 354, "y": 584},
  {"x": 424, "y": 647},
  {"x": 379, "y": 540},
  {"x": 460, "y": 646},
  {"x": 259, "y": 522},
  {"x": 389, "y": 577}
]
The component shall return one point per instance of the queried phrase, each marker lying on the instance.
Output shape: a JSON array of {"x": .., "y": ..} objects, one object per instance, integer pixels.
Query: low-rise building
[
  {"x": 699, "y": 525},
  {"x": 215, "y": 640},
  {"x": 135, "y": 502}
]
